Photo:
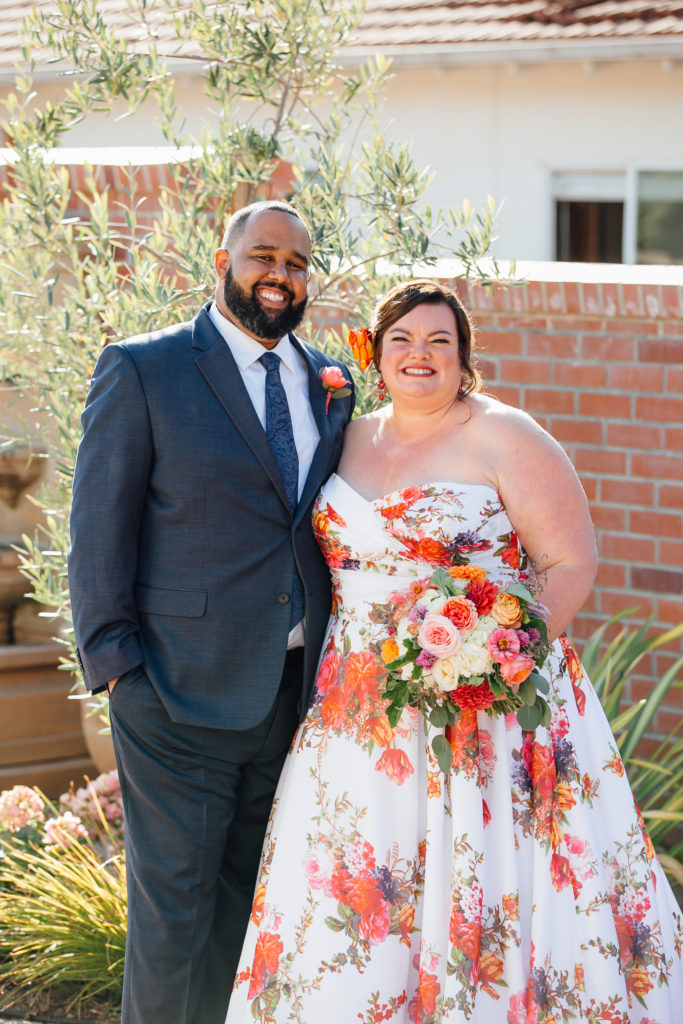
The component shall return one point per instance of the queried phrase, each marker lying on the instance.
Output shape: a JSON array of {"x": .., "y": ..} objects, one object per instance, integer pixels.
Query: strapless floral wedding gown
[{"x": 521, "y": 888}]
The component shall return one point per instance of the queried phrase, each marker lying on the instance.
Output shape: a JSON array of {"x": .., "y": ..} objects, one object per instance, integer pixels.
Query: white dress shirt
[{"x": 294, "y": 375}]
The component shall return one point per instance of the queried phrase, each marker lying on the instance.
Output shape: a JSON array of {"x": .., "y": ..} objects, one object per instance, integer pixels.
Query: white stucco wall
[{"x": 496, "y": 130}]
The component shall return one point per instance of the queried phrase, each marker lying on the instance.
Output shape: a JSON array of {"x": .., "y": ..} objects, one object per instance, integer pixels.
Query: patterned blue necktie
[{"x": 281, "y": 440}]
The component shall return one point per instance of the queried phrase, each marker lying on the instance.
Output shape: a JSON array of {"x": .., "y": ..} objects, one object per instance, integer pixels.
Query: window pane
[
  {"x": 660, "y": 217},
  {"x": 589, "y": 232}
]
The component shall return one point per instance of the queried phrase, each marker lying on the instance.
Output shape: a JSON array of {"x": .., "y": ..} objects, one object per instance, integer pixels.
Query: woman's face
[{"x": 420, "y": 354}]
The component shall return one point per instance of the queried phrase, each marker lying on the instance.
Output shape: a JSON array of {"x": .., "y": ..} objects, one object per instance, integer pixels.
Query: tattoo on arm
[{"x": 538, "y": 575}]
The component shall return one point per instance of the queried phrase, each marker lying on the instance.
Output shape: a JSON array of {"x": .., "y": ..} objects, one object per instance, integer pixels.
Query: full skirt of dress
[{"x": 519, "y": 888}]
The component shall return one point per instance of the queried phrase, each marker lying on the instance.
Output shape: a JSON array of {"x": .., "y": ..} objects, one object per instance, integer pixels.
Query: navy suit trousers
[{"x": 196, "y": 803}]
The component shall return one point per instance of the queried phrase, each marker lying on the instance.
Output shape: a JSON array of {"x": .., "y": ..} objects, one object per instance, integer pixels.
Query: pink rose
[
  {"x": 328, "y": 673},
  {"x": 332, "y": 377},
  {"x": 375, "y": 925},
  {"x": 516, "y": 670},
  {"x": 439, "y": 636},
  {"x": 503, "y": 645},
  {"x": 319, "y": 864}
]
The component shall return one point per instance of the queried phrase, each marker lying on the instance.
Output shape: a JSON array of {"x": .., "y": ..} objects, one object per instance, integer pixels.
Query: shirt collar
[{"x": 246, "y": 350}]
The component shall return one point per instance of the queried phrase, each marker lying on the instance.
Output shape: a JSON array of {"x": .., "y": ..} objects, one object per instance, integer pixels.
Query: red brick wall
[{"x": 600, "y": 365}]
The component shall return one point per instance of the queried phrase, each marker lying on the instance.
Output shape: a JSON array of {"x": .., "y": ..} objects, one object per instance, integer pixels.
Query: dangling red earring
[
  {"x": 381, "y": 389},
  {"x": 463, "y": 387}
]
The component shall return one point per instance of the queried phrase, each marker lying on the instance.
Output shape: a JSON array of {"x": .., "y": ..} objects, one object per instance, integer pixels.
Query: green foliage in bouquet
[{"x": 276, "y": 96}]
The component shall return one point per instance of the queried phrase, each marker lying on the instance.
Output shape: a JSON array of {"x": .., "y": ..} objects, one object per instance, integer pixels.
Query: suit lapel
[
  {"x": 318, "y": 399},
  {"x": 215, "y": 362}
]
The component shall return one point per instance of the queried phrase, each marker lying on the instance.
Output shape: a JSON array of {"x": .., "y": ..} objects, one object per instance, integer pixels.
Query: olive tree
[{"x": 275, "y": 93}]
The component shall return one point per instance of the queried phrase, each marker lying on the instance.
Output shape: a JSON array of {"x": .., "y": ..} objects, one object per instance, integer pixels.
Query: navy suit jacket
[{"x": 182, "y": 540}]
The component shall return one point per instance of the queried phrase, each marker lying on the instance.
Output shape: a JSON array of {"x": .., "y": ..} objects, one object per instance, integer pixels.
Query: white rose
[{"x": 446, "y": 672}]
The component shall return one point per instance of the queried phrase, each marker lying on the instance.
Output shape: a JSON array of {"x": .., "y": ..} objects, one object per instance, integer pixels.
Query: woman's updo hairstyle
[{"x": 405, "y": 297}]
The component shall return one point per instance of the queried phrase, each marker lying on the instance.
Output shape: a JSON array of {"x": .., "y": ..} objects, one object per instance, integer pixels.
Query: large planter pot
[
  {"x": 99, "y": 743},
  {"x": 41, "y": 741}
]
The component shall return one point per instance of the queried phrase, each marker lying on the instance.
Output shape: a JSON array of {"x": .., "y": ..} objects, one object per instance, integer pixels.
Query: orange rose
[
  {"x": 364, "y": 895},
  {"x": 390, "y": 650},
  {"x": 361, "y": 673},
  {"x": 266, "y": 957},
  {"x": 507, "y": 611},
  {"x": 380, "y": 731},
  {"x": 516, "y": 670},
  {"x": 461, "y": 612},
  {"x": 639, "y": 982}
]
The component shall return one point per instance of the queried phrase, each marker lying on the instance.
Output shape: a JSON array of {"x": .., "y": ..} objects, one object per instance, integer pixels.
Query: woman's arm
[{"x": 548, "y": 509}]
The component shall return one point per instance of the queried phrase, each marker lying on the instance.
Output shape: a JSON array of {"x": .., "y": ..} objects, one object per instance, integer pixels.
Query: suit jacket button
[{"x": 283, "y": 598}]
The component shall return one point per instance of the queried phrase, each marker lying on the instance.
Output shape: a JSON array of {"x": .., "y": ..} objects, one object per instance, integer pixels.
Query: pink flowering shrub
[
  {"x": 91, "y": 814},
  {"x": 20, "y": 808},
  {"x": 98, "y": 806}
]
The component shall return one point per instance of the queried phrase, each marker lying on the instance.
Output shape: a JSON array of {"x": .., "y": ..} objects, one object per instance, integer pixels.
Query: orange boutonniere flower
[
  {"x": 360, "y": 342},
  {"x": 335, "y": 383}
]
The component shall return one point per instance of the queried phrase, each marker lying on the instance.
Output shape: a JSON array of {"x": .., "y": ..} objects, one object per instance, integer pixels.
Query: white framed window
[{"x": 630, "y": 216}]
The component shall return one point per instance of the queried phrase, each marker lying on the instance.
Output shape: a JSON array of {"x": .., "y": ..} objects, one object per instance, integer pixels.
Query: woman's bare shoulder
[{"x": 505, "y": 423}]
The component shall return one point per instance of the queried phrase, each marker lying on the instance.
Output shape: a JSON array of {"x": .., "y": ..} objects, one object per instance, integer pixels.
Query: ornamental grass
[
  {"x": 657, "y": 781},
  {"x": 62, "y": 896},
  {"x": 62, "y": 922}
]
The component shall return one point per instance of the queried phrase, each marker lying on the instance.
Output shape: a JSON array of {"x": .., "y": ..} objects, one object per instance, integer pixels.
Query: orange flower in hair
[{"x": 360, "y": 342}]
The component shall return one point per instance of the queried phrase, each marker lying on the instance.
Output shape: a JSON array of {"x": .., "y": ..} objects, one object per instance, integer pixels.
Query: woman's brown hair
[{"x": 406, "y": 296}]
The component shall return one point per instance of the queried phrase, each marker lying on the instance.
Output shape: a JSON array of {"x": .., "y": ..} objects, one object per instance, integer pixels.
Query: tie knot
[{"x": 270, "y": 360}]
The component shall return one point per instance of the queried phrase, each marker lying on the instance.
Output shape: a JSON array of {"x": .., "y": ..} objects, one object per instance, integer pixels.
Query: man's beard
[{"x": 253, "y": 318}]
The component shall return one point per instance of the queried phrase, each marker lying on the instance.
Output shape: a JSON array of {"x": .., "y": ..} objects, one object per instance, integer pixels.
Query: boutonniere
[{"x": 335, "y": 383}]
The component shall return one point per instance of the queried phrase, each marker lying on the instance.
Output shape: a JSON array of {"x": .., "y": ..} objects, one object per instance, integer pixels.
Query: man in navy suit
[{"x": 200, "y": 597}]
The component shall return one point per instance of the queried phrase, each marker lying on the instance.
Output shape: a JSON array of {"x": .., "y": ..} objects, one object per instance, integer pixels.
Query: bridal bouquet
[{"x": 457, "y": 642}]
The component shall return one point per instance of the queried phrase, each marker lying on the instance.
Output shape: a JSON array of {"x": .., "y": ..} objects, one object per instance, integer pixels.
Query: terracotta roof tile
[{"x": 409, "y": 24}]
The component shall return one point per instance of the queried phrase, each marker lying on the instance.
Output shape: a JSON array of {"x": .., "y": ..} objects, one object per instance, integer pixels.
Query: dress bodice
[{"x": 406, "y": 534}]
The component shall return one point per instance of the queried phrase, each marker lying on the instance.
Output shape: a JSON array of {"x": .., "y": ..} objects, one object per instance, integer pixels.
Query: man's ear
[{"x": 221, "y": 262}]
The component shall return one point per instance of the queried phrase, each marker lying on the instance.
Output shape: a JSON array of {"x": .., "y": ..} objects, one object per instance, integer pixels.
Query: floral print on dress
[{"x": 520, "y": 887}]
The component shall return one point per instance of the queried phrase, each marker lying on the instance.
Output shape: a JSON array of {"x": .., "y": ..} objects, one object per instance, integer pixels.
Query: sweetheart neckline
[{"x": 428, "y": 483}]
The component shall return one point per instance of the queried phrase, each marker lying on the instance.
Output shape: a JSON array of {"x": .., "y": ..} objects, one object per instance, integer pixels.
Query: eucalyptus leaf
[
  {"x": 529, "y": 718},
  {"x": 444, "y": 753},
  {"x": 539, "y": 682},
  {"x": 520, "y": 591},
  {"x": 527, "y": 692},
  {"x": 438, "y": 716}
]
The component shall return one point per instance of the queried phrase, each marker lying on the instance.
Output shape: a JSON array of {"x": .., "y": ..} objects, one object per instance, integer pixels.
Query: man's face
[{"x": 262, "y": 281}]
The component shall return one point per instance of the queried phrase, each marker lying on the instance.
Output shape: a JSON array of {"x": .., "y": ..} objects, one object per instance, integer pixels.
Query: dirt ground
[{"x": 51, "y": 1008}]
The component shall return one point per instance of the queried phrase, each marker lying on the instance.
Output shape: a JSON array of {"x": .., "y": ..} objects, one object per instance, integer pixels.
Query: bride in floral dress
[{"x": 519, "y": 886}]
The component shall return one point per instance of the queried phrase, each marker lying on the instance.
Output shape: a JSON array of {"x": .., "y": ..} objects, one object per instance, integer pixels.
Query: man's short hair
[{"x": 238, "y": 222}]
